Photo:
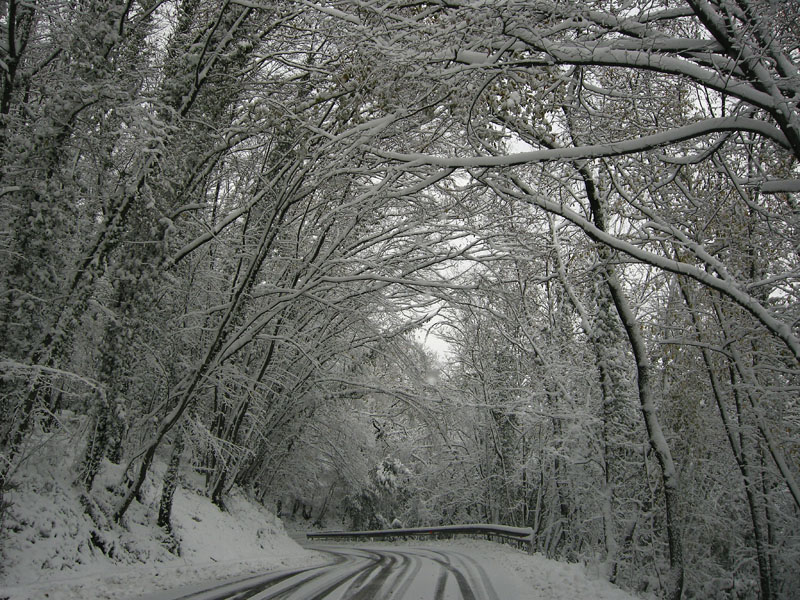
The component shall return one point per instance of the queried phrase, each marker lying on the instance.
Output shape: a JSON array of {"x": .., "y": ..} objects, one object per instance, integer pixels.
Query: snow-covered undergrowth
[{"x": 59, "y": 544}]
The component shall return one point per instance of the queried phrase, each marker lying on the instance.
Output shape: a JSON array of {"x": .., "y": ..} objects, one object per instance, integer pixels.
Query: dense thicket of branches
[{"x": 223, "y": 223}]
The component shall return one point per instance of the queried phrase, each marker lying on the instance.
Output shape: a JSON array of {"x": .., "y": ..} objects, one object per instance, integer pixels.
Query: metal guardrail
[{"x": 522, "y": 537}]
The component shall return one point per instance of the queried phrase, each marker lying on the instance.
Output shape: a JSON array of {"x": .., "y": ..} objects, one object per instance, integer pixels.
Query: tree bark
[
  {"x": 739, "y": 454},
  {"x": 170, "y": 483},
  {"x": 655, "y": 434}
]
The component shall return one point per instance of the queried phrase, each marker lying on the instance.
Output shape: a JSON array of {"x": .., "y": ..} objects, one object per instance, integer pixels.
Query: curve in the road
[{"x": 364, "y": 573}]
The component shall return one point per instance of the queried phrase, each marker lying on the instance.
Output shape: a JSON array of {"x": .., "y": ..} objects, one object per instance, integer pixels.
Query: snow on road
[
  {"x": 521, "y": 576},
  {"x": 538, "y": 577},
  {"x": 460, "y": 570},
  {"x": 55, "y": 552},
  {"x": 514, "y": 575}
]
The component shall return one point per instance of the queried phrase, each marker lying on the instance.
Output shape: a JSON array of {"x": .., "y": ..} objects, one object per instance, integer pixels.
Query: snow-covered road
[{"x": 369, "y": 573}]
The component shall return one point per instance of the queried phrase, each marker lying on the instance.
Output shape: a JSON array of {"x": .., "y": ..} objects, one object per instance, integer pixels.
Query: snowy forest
[{"x": 527, "y": 262}]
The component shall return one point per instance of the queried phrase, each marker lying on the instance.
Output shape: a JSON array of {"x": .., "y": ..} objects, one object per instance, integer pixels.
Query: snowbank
[{"x": 53, "y": 549}]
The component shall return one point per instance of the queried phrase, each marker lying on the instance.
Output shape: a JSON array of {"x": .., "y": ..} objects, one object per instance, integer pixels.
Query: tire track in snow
[{"x": 361, "y": 573}]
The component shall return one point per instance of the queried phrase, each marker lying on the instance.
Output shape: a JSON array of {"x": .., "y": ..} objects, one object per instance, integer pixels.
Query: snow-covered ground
[
  {"x": 214, "y": 544},
  {"x": 539, "y": 577},
  {"x": 54, "y": 550}
]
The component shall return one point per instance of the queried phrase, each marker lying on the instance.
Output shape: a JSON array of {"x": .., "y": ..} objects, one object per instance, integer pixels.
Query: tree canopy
[{"x": 227, "y": 227}]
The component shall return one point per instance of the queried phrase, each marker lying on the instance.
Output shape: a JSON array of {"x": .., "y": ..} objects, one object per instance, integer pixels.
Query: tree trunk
[
  {"x": 738, "y": 449},
  {"x": 602, "y": 339},
  {"x": 323, "y": 510},
  {"x": 96, "y": 446},
  {"x": 170, "y": 483},
  {"x": 655, "y": 435}
]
